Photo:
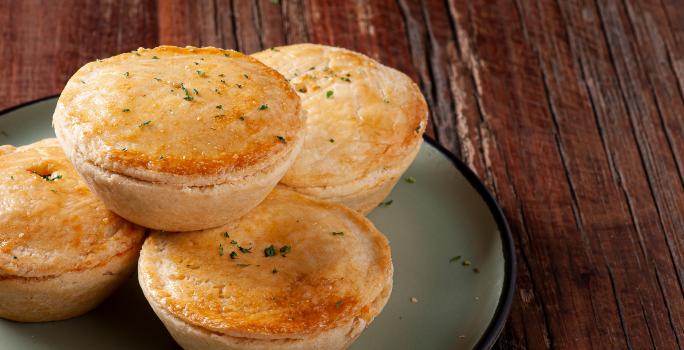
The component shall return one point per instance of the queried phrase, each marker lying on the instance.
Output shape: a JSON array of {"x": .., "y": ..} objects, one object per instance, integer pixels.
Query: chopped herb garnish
[
  {"x": 201, "y": 73},
  {"x": 239, "y": 86},
  {"x": 82, "y": 81},
  {"x": 124, "y": 149},
  {"x": 340, "y": 233},
  {"x": 221, "y": 75},
  {"x": 386, "y": 204},
  {"x": 332, "y": 140},
  {"x": 246, "y": 76},
  {"x": 454, "y": 259},
  {"x": 145, "y": 123},
  {"x": 219, "y": 106},
  {"x": 285, "y": 250},
  {"x": 157, "y": 79},
  {"x": 125, "y": 110},
  {"x": 329, "y": 93},
  {"x": 339, "y": 303},
  {"x": 225, "y": 234},
  {"x": 49, "y": 177},
  {"x": 188, "y": 98},
  {"x": 216, "y": 90},
  {"x": 385, "y": 100},
  {"x": 126, "y": 74},
  {"x": 270, "y": 251},
  {"x": 244, "y": 250},
  {"x": 197, "y": 64},
  {"x": 155, "y": 57},
  {"x": 302, "y": 90},
  {"x": 226, "y": 54},
  {"x": 196, "y": 92},
  {"x": 220, "y": 249},
  {"x": 242, "y": 265},
  {"x": 242, "y": 117},
  {"x": 312, "y": 68},
  {"x": 263, "y": 106},
  {"x": 14, "y": 257},
  {"x": 466, "y": 262},
  {"x": 345, "y": 79},
  {"x": 161, "y": 157},
  {"x": 233, "y": 255},
  {"x": 274, "y": 271},
  {"x": 53, "y": 190},
  {"x": 281, "y": 139},
  {"x": 410, "y": 179},
  {"x": 233, "y": 242},
  {"x": 418, "y": 129}
]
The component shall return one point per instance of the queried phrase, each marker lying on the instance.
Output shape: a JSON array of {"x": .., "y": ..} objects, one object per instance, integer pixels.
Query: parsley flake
[
  {"x": 201, "y": 73},
  {"x": 263, "y": 106},
  {"x": 410, "y": 179},
  {"x": 386, "y": 204},
  {"x": 196, "y": 92},
  {"x": 244, "y": 250},
  {"x": 233, "y": 242},
  {"x": 329, "y": 94},
  {"x": 126, "y": 74},
  {"x": 125, "y": 110},
  {"x": 274, "y": 271},
  {"x": 340, "y": 233},
  {"x": 270, "y": 251},
  {"x": 455, "y": 258},
  {"x": 281, "y": 139},
  {"x": 219, "y": 106},
  {"x": 233, "y": 255},
  {"x": 225, "y": 234},
  {"x": 242, "y": 265},
  {"x": 155, "y": 57},
  {"x": 246, "y": 76},
  {"x": 285, "y": 250},
  {"x": 339, "y": 304},
  {"x": 145, "y": 123},
  {"x": 220, "y": 249},
  {"x": 332, "y": 140},
  {"x": 188, "y": 98}
]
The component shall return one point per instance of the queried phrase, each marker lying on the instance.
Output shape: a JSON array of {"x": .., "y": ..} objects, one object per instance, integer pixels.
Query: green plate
[{"x": 435, "y": 304}]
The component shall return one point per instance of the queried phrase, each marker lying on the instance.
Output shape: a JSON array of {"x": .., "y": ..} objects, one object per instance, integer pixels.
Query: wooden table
[{"x": 571, "y": 111}]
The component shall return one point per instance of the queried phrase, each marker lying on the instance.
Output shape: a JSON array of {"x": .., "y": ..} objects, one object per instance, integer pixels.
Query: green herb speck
[
  {"x": 225, "y": 234},
  {"x": 263, "y": 106},
  {"x": 386, "y": 204},
  {"x": 455, "y": 258},
  {"x": 244, "y": 250},
  {"x": 145, "y": 123},
  {"x": 155, "y": 57},
  {"x": 201, "y": 73},
  {"x": 284, "y": 250},
  {"x": 270, "y": 251},
  {"x": 220, "y": 249},
  {"x": 125, "y": 110},
  {"x": 219, "y": 106},
  {"x": 233, "y": 255},
  {"x": 281, "y": 139},
  {"x": 340, "y": 233},
  {"x": 410, "y": 179},
  {"x": 329, "y": 94}
]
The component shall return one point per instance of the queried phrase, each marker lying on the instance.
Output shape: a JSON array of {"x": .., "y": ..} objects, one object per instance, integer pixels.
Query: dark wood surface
[{"x": 571, "y": 111}]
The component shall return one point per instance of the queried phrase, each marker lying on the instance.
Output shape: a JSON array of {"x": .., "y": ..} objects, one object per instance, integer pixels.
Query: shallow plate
[{"x": 436, "y": 303}]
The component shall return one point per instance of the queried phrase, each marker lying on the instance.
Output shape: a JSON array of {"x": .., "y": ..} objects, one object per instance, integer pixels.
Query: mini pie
[
  {"x": 294, "y": 273},
  {"x": 180, "y": 139},
  {"x": 364, "y": 123},
  {"x": 61, "y": 251}
]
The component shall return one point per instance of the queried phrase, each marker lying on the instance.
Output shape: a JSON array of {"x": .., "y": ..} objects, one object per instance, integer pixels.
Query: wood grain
[{"x": 572, "y": 113}]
